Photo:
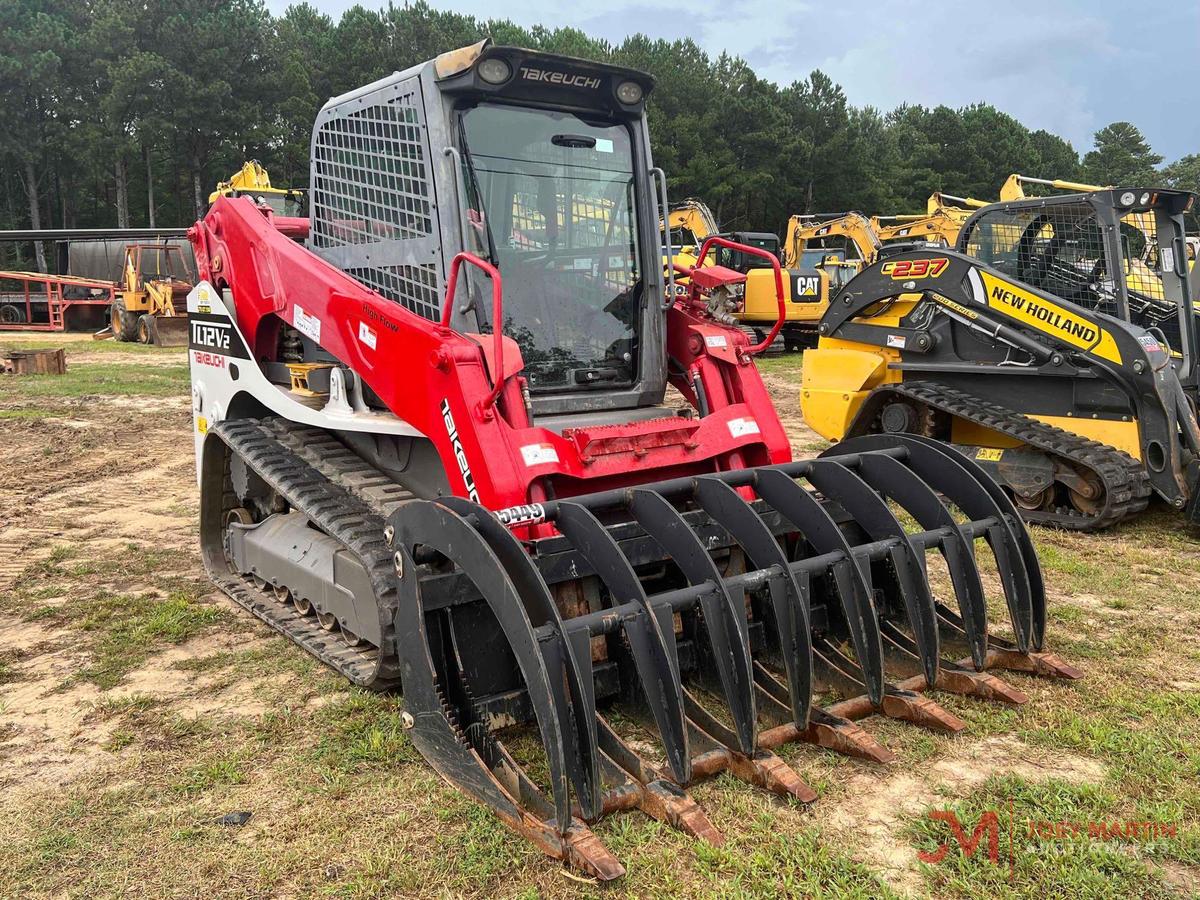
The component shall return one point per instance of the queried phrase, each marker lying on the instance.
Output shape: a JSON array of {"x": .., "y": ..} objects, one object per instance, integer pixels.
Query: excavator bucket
[
  {"x": 715, "y": 613},
  {"x": 168, "y": 331}
]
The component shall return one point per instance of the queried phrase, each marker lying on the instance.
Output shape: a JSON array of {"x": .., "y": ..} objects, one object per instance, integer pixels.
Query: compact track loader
[
  {"x": 436, "y": 451},
  {"x": 1048, "y": 350}
]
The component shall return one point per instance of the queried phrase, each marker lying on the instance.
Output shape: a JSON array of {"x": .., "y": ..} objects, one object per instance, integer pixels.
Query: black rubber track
[
  {"x": 336, "y": 509},
  {"x": 1126, "y": 486}
]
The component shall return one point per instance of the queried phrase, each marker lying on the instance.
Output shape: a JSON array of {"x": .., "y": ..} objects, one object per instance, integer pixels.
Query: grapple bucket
[{"x": 697, "y": 620}]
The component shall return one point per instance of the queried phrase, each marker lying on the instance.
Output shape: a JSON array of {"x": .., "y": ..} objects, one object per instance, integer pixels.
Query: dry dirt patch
[{"x": 878, "y": 805}]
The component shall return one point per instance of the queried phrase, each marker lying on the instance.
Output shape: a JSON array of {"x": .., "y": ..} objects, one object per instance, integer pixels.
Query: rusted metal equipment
[{"x": 435, "y": 449}]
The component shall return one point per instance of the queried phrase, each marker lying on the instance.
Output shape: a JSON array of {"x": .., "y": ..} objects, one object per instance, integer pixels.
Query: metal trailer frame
[{"x": 52, "y": 293}]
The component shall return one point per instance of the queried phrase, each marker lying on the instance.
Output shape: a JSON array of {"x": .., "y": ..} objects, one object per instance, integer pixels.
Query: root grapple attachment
[{"x": 673, "y": 631}]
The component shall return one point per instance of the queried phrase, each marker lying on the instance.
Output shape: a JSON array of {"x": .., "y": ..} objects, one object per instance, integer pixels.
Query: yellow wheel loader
[{"x": 1042, "y": 350}]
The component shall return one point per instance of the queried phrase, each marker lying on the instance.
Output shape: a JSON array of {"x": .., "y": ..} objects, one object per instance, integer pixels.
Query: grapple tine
[
  {"x": 789, "y": 595},
  {"x": 905, "y": 705},
  {"x": 895, "y": 480},
  {"x": 972, "y": 490},
  {"x": 871, "y": 514},
  {"x": 823, "y": 730},
  {"x": 654, "y": 662},
  {"x": 761, "y": 767},
  {"x": 805, "y": 513},
  {"x": 455, "y": 751},
  {"x": 578, "y": 710},
  {"x": 724, "y": 620},
  {"x": 952, "y": 677},
  {"x": 1046, "y": 665},
  {"x": 658, "y": 798}
]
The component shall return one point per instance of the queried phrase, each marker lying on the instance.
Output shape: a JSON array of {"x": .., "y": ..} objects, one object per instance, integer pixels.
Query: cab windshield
[{"x": 552, "y": 205}]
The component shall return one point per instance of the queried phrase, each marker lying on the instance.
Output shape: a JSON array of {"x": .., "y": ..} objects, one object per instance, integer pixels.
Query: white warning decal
[
  {"x": 366, "y": 334},
  {"x": 309, "y": 326},
  {"x": 539, "y": 454},
  {"x": 742, "y": 427}
]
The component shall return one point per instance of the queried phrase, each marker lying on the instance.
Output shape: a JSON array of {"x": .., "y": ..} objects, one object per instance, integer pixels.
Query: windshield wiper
[{"x": 485, "y": 219}]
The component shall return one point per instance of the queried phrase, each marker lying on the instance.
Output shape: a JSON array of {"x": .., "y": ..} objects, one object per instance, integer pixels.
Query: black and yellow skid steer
[{"x": 1058, "y": 351}]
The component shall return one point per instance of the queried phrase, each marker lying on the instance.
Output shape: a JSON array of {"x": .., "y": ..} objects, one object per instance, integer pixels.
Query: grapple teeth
[
  {"x": 835, "y": 733},
  {"x": 968, "y": 487},
  {"x": 870, "y": 513},
  {"x": 834, "y": 588},
  {"x": 956, "y": 679},
  {"x": 668, "y": 803},
  {"x": 808, "y": 517},
  {"x": 586, "y": 852},
  {"x": 1046, "y": 665},
  {"x": 789, "y": 593},
  {"x": 725, "y": 621},
  {"x": 921, "y": 710},
  {"x": 655, "y": 663}
]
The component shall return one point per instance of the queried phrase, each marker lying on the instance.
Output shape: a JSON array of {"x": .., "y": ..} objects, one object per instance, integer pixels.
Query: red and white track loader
[{"x": 436, "y": 448}]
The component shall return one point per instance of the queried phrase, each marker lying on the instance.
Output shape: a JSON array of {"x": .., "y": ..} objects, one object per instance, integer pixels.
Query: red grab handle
[
  {"x": 497, "y": 315},
  {"x": 753, "y": 251}
]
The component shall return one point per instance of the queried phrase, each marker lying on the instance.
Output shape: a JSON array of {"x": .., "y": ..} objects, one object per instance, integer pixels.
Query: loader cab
[
  {"x": 1120, "y": 251},
  {"x": 536, "y": 163}
]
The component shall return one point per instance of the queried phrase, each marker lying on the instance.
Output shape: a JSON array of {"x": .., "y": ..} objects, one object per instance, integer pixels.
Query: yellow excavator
[
  {"x": 806, "y": 288},
  {"x": 840, "y": 244},
  {"x": 252, "y": 180},
  {"x": 943, "y": 219}
]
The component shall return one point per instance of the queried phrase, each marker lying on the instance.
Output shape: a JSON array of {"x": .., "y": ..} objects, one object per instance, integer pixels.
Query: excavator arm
[{"x": 854, "y": 227}]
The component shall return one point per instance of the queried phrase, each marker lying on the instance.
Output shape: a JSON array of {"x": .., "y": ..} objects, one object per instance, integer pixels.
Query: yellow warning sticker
[
  {"x": 1051, "y": 318},
  {"x": 991, "y": 454},
  {"x": 202, "y": 424}
]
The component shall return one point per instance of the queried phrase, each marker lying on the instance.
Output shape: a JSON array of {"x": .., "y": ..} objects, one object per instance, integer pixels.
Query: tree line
[{"x": 127, "y": 113}]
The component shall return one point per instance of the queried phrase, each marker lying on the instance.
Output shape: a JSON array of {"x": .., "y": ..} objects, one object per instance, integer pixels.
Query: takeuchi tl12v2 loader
[
  {"x": 1057, "y": 348},
  {"x": 436, "y": 452}
]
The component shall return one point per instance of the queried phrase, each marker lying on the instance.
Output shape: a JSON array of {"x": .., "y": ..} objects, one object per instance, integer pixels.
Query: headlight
[
  {"x": 494, "y": 71},
  {"x": 1128, "y": 198},
  {"x": 629, "y": 92},
  {"x": 1144, "y": 199}
]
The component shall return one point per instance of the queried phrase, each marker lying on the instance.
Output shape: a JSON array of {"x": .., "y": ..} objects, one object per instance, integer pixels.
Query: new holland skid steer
[
  {"x": 436, "y": 451},
  {"x": 1047, "y": 349}
]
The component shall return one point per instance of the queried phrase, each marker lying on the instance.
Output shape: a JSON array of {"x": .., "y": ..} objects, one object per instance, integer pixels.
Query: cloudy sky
[{"x": 1069, "y": 66}]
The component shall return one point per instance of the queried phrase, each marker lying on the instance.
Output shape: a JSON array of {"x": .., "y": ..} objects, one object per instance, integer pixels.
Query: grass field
[{"x": 138, "y": 707}]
